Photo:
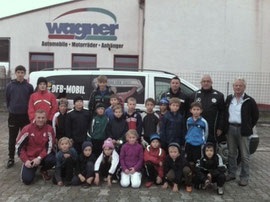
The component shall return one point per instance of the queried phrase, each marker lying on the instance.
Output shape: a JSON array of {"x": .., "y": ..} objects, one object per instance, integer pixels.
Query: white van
[{"x": 138, "y": 84}]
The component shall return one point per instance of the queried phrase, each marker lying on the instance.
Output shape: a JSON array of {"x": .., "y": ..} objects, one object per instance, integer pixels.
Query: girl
[
  {"x": 107, "y": 163},
  {"x": 65, "y": 162},
  {"x": 131, "y": 160},
  {"x": 84, "y": 172}
]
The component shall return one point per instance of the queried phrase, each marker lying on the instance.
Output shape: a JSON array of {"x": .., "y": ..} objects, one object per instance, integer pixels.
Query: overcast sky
[{"x": 10, "y": 7}]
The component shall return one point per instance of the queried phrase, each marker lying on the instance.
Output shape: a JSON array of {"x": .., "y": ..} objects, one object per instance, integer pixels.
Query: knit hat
[
  {"x": 98, "y": 105},
  {"x": 154, "y": 136},
  {"x": 164, "y": 101},
  {"x": 86, "y": 144},
  {"x": 175, "y": 145},
  {"x": 77, "y": 98},
  {"x": 42, "y": 79},
  {"x": 108, "y": 143}
]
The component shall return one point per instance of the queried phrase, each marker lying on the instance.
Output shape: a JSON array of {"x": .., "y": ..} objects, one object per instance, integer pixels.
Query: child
[
  {"x": 113, "y": 101},
  {"x": 172, "y": 126},
  {"x": 65, "y": 162},
  {"x": 84, "y": 172},
  {"x": 210, "y": 168},
  {"x": 175, "y": 166},
  {"x": 163, "y": 107},
  {"x": 150, "y": 120},
  {"x": 107, "y": 163},
  {"x": 153, "y": 161},
  {"x": 131, "y": 160},
  {"x": 197, "y": 132},
  {"x": 59, "y": 119},
  {"x": 77, "y": 124},
  {"x": 42, "y": 99},
  {"x": 133, "y": 117},
  {"x": 97, "y": 131},
  {"x": 117, "y": 127}
]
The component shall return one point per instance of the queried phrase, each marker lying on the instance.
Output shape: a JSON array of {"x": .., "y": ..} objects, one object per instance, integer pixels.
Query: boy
[
  {"x": 97, "y": 131},
  {"x": 150, "y": 120},
  {"x": 163, "y": 107},
  {"x": 172, "y": 125},
  {"x": 18, "y": 92},
  {"x": 153, "y": 161},
  {"x": 59, "y": 119},
  {"x": 133, "y": 117},
  {"x": 113, "y": 101},
  {"x": 197, "y": 132},
  {"x": 100, "y": 95},
  {"x": 77, "y": 124},
  {"x": 210, "y": 168},
  {"x": 175, "y": 166},
  {"x": 117, "y": 127}
]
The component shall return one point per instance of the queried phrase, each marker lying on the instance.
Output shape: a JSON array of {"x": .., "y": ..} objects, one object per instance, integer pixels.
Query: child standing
[
  {"x": 97, "y": 131},
  {"x": 197, "y": 132},
  {"x": 117, "y": 127},
  {"x": 210, "y": 168},
  {"x": 131, "y": 160},
  {"x": 175, "y": 167},
  {"x": 59, "y": 119},
  {"x": 84, "y": 172},
  {"x": 153, "y": 161},
  {"x": 107, "y": 163},
  {"x": 163, "y": 107},
  {"x": 113, "y": 101},
  {"x": 172, "y": 125},
  {"x": 150, "y": 120},
  {"x": 77, "y": 124},
  {"x": 65, "y": 162},
  {"x": 133, "y": 117}
]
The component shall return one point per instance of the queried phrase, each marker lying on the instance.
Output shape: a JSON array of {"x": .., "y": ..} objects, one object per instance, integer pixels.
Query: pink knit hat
[{"x": 108, "y": 143}]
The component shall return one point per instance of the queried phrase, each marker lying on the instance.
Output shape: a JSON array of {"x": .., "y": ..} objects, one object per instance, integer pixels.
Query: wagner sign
[{"x": 83, "y": 31}]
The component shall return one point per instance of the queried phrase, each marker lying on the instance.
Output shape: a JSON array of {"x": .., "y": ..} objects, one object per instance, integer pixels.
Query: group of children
[{"x": 163, "y": 146}]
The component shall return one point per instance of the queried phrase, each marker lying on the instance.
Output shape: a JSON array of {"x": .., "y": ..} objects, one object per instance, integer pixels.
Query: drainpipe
[{"x": 142, "y": 6}]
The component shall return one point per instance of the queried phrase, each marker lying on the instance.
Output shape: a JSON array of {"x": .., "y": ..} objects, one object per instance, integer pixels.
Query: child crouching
[
  {"x": 107, "y": 163},
  {"x": 175, "y": 166},
  {"x": 210, "y": 168},
  {"x": 84, "y": 172},
  {"x": 131, "y": 160},
  {"x": 65, "y": 162},
  {"x": 153, "y": 161}
]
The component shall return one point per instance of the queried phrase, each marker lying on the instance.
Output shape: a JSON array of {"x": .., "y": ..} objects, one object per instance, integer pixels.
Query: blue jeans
[{"x": 235, "y": 140}]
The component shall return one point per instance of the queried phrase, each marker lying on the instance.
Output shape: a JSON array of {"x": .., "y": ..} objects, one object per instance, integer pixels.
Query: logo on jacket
[
  {"x": 214, "y": 100},
  {"x": 198, "y": 99}
]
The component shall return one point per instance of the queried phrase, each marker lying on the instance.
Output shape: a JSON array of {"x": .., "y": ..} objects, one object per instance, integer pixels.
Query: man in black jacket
[
  {"x": 241, "y": 116},
  {"x": 175, "y": 91},
  {"x": 213, "y": 107}
]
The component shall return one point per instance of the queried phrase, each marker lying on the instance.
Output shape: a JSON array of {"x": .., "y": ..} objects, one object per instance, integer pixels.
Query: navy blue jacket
[
  {"x": 17, "y": 96},
  {"x": 172, "y": 128}
]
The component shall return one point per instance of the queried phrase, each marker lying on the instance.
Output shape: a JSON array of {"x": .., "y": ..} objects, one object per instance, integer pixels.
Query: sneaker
[
  {"x": 189, "y": 188},
  {"x": 10, "y": 163},
  {"x": 229, "y": 178},
  {"x": 206, "y": 184},
  {"x": 45, "y": 175},
  {"x": 243, "y": 182},
  {"x": 114, "y": 181},
  {"x": 220, "y": 191},
  {"x": 148, "y": 184}
]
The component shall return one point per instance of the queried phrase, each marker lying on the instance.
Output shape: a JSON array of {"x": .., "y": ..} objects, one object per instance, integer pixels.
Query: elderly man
[
  {"x": 241, "y": 116},
  {"x": 34, "y": 147},
  {"x": 175, "y": 91},
  {"x": 213, "y": 107}
]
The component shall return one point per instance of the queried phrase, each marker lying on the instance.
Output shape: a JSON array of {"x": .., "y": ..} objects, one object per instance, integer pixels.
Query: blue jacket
[
  {"x": 17, "y": 96},
  {"x": 197, "y": 131},
  {"x": 172, "y": 128}
]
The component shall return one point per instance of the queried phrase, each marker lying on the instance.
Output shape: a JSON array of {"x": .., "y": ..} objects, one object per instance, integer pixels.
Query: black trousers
[
  {"x": 15, "y": 124},
  {"x": 65, "y": 173},
  {"x": 218, "y": 177},
  {"x": 104, "y": 169},
  {"x": 193, "y": 152},
  {"x": 150, "y": 171},
  {"x": 97, "y": 146}
]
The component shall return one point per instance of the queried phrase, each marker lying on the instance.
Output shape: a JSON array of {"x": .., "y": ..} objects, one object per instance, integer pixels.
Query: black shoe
[
  {"x": 229, "y": 178},
  {"x": 10, "y": 163}
]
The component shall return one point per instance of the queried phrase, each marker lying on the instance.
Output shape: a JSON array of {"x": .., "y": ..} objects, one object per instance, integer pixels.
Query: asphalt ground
[{"x": 12, "y": 189}]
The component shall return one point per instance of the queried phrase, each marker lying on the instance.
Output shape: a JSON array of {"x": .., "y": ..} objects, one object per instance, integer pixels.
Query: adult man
[
  {"x": 100, "y": 95},
  {"x": 18, "y": 92},
  {"x": 213, "y": 107},
  {"x": 175, "y": 91},
  {"x": 34, "y": 147},
  {"x": 241, "y": 116}
]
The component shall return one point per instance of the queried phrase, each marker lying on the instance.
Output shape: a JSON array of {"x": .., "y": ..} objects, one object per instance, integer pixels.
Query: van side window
[{"x": 161, "y": 86}]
